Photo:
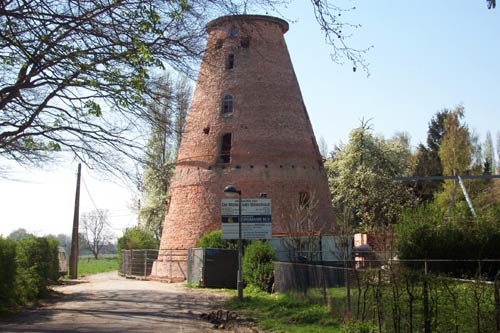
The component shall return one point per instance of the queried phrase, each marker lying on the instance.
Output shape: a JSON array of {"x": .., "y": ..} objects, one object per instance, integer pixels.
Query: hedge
[
  {"x": 7, "y": 273},
  {"x": 464, "y": 243},
  {"x": 28, "y": 267}
]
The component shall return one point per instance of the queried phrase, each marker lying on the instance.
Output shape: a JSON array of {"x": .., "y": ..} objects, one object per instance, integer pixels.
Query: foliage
[
  {"x": 214, "y": 240},
  {"x": 37, "y": 267},
  {"x": 167, "y": 115},
  {"x": 136, "y": 238},
  {"x": 455, "y": 150},
  {"x": 360, "y": 177},
  {"x": 490, "y": 164},
  {"x": 87, "y": 266},
  {"x": 18, "y": 234},
  {"x": 96, "y": 232},
  {"x": 284, "y": 313},
  {"x": 426, "y": 234},
  {"x": 427, "y": 160},
  {"x": 7, "y": 273},
  {"x": 258, "y": 265},
  {"x": 75, "y": 75}
]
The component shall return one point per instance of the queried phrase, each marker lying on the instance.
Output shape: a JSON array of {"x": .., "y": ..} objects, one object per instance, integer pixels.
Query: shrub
[
  {"x": 213, "y": 240},
  {"x": 37, "y": 267},
  {"x": 425, "y": 234},
  {"x": 258, "y": 265},
  {"x": 7, "y": 273},
  {"x": 136, "y": 238}
]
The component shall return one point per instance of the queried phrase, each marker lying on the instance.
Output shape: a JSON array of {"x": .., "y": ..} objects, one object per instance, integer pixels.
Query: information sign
[{"x": 255, "y": 219}]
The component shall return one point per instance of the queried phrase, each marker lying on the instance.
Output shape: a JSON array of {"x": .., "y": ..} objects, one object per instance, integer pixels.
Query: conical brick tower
[{"x": 247, "y": 126}]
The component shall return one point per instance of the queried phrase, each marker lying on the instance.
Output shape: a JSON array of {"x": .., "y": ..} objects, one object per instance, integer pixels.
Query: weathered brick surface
[{"x": 273, "y": 151}]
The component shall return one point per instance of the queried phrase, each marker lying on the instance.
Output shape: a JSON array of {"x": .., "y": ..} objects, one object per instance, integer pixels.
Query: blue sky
[{"x": 427, "y": 55}]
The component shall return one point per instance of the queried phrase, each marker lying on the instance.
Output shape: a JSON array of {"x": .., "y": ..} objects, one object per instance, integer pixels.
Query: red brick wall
[{"x": 273, "y": 145}]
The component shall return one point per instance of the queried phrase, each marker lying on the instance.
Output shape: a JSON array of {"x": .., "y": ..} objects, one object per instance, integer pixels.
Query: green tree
[
  {"x": 167, "y": 117},
  {"x": 137, "y": 238},
  {"x": 74, "y": 74},
  {"x": 360, "y": 177},
  {"x": 489, "y": 165},
  {"x": 427, "y": 160},
  {"x": 456, "y": 149},
  {"x": 456, "y": 153},
  {"x": 18, "y": 234}
]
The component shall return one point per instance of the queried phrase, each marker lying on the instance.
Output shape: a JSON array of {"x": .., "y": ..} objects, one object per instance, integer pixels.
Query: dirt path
[{"x": 109, "y": 303}]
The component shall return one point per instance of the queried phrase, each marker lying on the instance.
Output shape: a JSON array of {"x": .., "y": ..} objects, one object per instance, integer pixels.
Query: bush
[
  {"x": 425, "y": 234},
  {"x": 213, "y": 240},
  {"x": 258, "y": 265},
  {"x": 37, "y": 267},
  {"x": 7, "y": 273},
  {"x": 136, "y": 239}
]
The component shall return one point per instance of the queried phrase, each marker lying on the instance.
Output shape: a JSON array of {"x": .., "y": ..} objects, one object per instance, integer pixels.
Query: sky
[{"x": 426, "y": 56}]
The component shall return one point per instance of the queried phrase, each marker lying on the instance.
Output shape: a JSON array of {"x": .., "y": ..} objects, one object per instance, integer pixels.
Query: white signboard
[{"x": 255, "y": 219}]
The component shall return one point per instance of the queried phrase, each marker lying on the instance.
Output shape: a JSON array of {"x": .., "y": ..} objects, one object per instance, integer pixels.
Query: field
[{"x": 89, "y": 265}]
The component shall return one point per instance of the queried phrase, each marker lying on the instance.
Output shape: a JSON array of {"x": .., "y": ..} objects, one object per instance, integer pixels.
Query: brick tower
[{"x": 247, "y": 126}]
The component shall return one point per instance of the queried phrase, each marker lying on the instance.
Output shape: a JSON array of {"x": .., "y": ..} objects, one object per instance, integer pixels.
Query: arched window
[
  {"x": 227, "y": 104},
  {"x": 225, "y": 150}
]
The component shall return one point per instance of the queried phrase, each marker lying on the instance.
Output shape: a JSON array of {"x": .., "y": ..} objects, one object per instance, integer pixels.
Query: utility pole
[{"x": 73, "y": 258}]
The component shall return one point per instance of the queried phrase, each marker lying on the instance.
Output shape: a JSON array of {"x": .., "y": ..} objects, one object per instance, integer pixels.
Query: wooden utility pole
[{"x": 73, "y": 258}]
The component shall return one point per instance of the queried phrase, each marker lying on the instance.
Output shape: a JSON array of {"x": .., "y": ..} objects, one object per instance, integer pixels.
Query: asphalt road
[{"x": 109, "y": 303}]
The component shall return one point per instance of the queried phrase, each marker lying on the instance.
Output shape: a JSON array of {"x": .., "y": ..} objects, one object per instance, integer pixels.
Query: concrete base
[{"x": 170, "y": 269}]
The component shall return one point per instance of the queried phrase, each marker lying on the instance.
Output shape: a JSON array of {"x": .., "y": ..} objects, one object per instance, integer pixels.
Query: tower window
[
  {"x": 245, "y": 42},
  {"x": 304, "y": 199},
  {"x": 227, "y": 104},
  {"x": 219, "y": 43},
  {"x": 230, "y": 61},
  {"x": 225, "y": 151},
  {"x": 232, "y": 32}
]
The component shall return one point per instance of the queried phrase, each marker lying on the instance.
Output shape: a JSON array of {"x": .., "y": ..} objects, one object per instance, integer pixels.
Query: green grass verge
[
  {"x": 87, "y": 266},
  {"x": 284, "y": 313}
]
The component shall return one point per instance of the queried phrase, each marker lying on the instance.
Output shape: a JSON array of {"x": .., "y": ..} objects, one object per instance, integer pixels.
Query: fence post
[
  {"x": 497, "y": 301},
  {"x": 131, "y": 262},
  {"x": 425, "y": 291},
  {"x": 145, "y": 262}
]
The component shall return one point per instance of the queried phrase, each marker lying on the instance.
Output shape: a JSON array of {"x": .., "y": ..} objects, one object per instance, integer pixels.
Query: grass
[
  {"x": 284, "y": 313},
  {"x": 88, "y": 265}
]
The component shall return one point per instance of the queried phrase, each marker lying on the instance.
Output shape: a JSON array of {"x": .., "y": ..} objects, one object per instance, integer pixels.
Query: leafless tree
[
  {"x": 76, "y": 74},
  {"x": 96, "y": 230},
  {"x": 304, "y": 228}
]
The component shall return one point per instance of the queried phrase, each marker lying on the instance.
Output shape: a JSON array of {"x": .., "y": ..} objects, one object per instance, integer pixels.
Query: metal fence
[
  {"x": 397, "y": 296},
  {"x": 137, "y": 263}
]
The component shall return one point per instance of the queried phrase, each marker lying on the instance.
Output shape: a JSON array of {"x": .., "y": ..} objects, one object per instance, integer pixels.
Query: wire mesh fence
[
  {"x": 171, "y": 264},
  {"x": 137, "y": 263},
  {"x": 397, "y": 296}
]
